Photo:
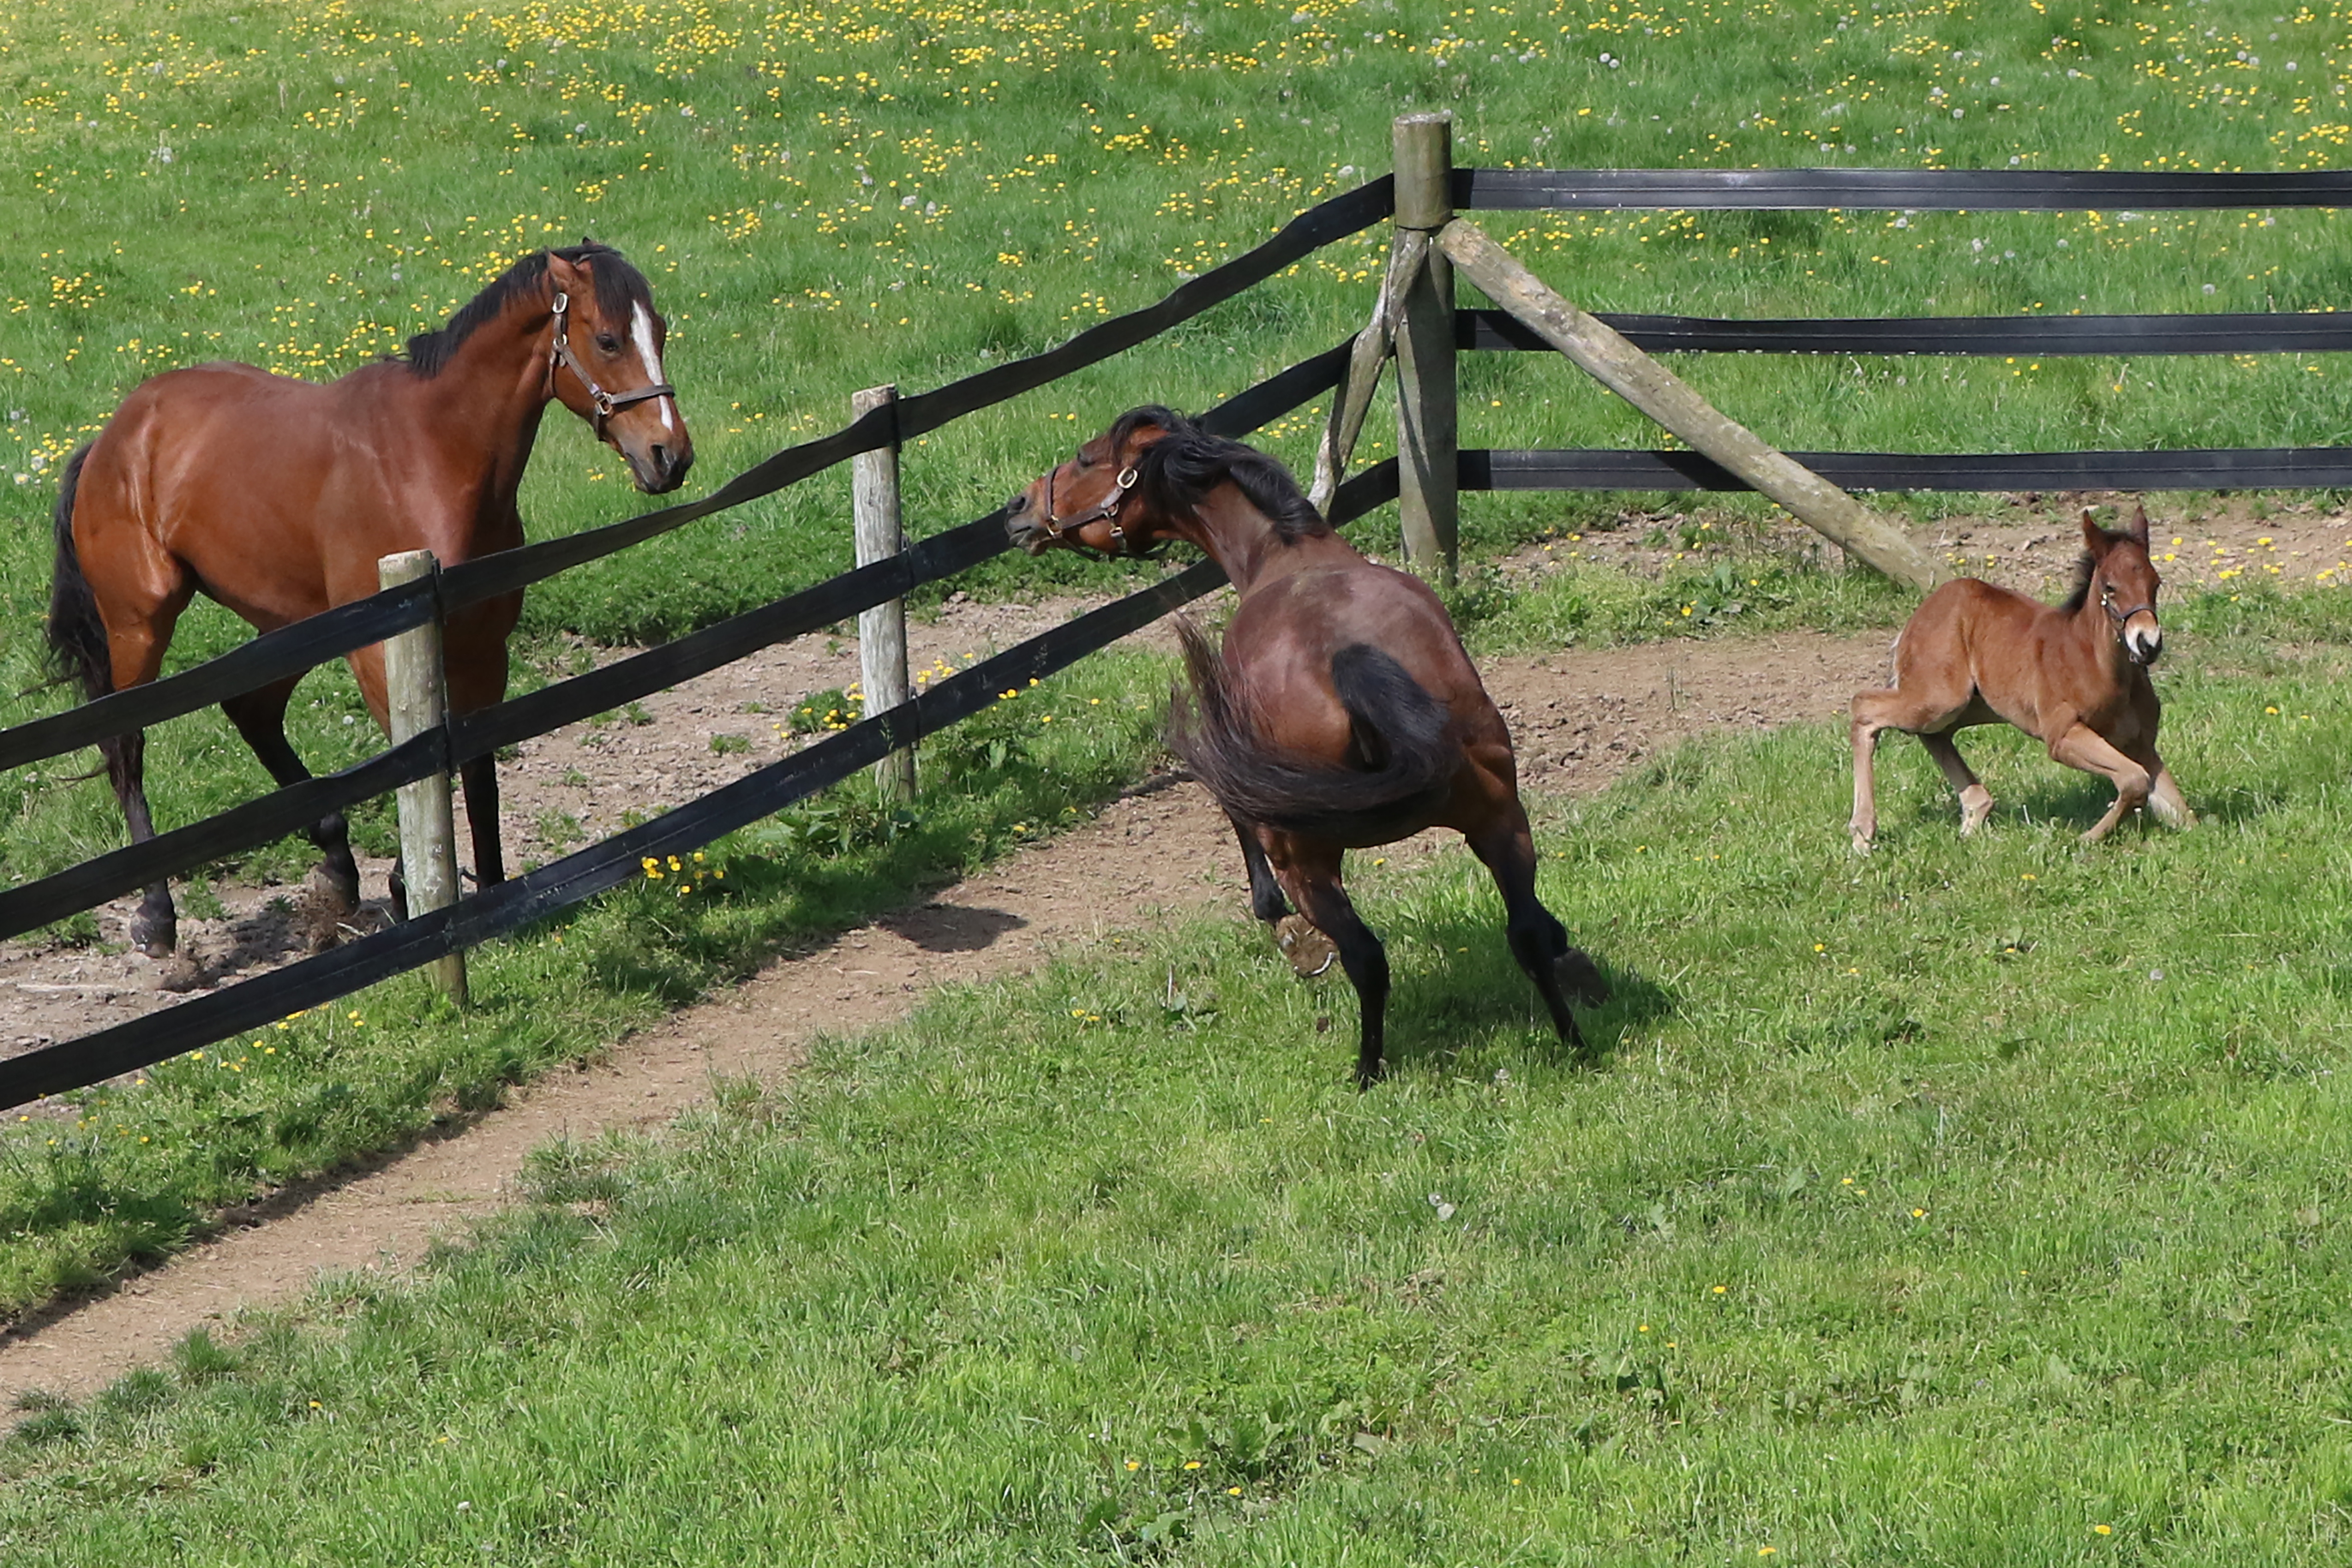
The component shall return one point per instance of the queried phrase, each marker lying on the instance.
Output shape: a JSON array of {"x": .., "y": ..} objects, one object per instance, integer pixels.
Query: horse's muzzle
[
  {"x": 1022, "y": 526},
  {"x": 661, "y": 471},
  {"x": 2143, "y": 646}
]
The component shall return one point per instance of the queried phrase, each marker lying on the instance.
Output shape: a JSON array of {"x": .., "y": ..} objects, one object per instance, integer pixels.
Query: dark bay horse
[
  {"x": 1343, "y": 712},
  {"x": 2073, "y": 676},
  {"x": 276, "y": 497}
]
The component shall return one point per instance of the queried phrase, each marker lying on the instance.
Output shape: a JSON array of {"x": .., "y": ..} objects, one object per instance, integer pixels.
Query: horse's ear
[
  {"x": 565, "y": 276},
  {"x": 2095, "y": 539},
  {"x": 2139, "y": 523}
]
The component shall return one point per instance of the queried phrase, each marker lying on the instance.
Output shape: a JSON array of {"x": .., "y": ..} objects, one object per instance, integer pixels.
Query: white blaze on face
[{"x": 641, "y": 334}]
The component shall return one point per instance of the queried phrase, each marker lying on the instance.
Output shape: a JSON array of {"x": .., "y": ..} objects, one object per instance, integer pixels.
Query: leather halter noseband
[
  {"x": 2107, "y": 603},
  {"x": 604, "y": 403},
  {"x": 1106, "y": 509}
]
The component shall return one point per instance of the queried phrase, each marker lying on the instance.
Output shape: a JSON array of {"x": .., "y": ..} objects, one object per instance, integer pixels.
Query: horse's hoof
[
  {"x": 178, "y": 974},
  {"x": 155, "y": 941},
  {"x": 1863, "y": 843},
  {"x": 1580, "y": 977},
  {"x": 1310, "y": 952}
]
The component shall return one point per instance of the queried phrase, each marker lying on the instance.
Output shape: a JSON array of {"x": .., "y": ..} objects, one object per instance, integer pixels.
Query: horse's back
[
  {"x": 1315, "y": 613},
  {"x": 241, "y": 476}
]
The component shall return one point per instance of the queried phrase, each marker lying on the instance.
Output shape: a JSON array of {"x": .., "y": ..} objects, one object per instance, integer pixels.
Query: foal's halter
[
  {"x": 2107, "y": 603},
  {"x": 604, "y": 403},
  {"x": 1106, "y": 510}
]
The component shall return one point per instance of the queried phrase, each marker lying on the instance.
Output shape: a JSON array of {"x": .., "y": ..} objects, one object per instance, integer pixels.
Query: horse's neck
[
  {"x": 1243, "y": 540},
  {"x": 485, "y": 404}
]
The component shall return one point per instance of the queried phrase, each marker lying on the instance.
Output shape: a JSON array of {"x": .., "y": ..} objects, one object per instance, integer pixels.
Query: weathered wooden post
[
  {"x": 1428, "y": 490},
  {"x": 882, "y": 630},
  {"x": 416, "y": 698}
]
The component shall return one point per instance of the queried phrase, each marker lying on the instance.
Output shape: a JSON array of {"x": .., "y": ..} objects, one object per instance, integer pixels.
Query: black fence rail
[{"x": 1919, "y": 190}]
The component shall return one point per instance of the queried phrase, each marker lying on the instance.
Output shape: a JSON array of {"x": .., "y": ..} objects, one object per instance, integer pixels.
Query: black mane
[
  {"x": 1177, "y": 472},
  {"x": 620, "y": 288}
]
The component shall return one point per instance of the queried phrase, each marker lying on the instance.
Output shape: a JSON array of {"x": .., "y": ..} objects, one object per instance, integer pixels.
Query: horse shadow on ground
[
  {"x": 950, "y": 928},
  {"x": 1456, "y": 987},
  {"x": 2078, "y": 801}
]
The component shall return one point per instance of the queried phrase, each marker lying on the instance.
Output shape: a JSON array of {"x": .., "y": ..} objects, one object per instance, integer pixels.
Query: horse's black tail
[
  {"x": 77, "y": 648},
  {"x": 1402, "y": 732}
]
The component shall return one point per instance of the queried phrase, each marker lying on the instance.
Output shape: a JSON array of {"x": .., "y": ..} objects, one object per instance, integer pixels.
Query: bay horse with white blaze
[
  {"x": 1343, "y": 712},
  {"x": 276, "y": 497},
  {"x": 2073, "y": 676}
]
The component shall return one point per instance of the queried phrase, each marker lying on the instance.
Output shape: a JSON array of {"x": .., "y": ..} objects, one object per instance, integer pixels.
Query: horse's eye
[{"x": 608, "y": 343}]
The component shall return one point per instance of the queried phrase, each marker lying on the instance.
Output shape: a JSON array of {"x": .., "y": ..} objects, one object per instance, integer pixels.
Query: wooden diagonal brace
[
  {"x": 1371, "y": 351},
  {"x": 1601, "y": 351}
]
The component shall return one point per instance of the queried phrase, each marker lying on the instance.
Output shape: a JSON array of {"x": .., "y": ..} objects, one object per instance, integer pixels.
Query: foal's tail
[
  {"x": 77, "y": 648},
  {"x": 1401, "y": 731}
]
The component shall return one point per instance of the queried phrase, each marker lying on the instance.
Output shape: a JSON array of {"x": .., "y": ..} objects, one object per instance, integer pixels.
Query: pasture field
[
  {"x": 1967, "y": 1204},
  {"x": 827, "y": 196}
]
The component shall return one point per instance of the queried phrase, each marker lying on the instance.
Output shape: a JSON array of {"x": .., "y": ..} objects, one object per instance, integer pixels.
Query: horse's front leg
[{"x": 2080, "y": 746}]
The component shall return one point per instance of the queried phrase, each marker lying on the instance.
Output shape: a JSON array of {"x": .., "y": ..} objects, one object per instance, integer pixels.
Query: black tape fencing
[
  {"x": 1892, "y": 190},
  {"x": 2235, "y": 332},
  {"x": 202, "y": 1021},
  {"x": 2213, "y": 468}
]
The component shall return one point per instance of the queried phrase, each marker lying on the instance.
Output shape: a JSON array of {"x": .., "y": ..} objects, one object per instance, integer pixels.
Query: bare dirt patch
[
  {"x": 2028, "y": 541},
  {"x": 1161, "y": 850}
]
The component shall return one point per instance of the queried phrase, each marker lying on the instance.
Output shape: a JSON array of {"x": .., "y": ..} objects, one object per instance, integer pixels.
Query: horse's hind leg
[
  {"x": 260, "y": 716},
  {"x": 1537, "y": 940},
  {"x": 1309, "y": 950},
  {"x": 1311, "y": 875},
  {"x": 1975, "y": 801},
  {"x": 136, "y": 655},
  {"x": 156, "y": 928},
  {"x": 2165, "y": 799}
]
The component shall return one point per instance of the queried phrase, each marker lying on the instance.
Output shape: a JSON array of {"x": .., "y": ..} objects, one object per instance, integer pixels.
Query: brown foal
[
  {"x": 276, "y": 497},
  {"x": 1343, "y": 712},
  {"x": 2073, "y": 676}
]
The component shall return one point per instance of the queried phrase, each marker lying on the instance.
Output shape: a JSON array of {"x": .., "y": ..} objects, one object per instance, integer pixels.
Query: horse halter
[
  {"x": 604, "y": 403},
  {"x": 2107, "y": 603},
  {"x": 1106, "y": 510}
]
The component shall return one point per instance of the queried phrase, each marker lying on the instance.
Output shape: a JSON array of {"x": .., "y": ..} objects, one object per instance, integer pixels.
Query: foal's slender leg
[
  {"x": 1873, "y": 711},
  {"x": 1311, "y": 875},
  {"x": 1537, "y": 939},
  {"x": 1975, "y": 801},
  {"x": 260, "y": 716},
  {"x": 2080, "y": 746}
]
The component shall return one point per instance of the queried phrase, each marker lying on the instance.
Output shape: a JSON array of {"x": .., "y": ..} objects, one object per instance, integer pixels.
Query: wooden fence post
[
  {"x": 882, "y": 630},
  {"x": 416, "y": 698},
  {"x": 1428, "y": 489}
]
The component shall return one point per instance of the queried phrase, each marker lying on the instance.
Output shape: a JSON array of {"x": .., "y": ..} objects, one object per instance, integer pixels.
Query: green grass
[{"x": 1954, "y": 1204}]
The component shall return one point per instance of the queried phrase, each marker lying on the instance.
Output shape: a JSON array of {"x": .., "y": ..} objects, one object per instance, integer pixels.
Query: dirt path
[{"x": 1581, "y": 719}]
